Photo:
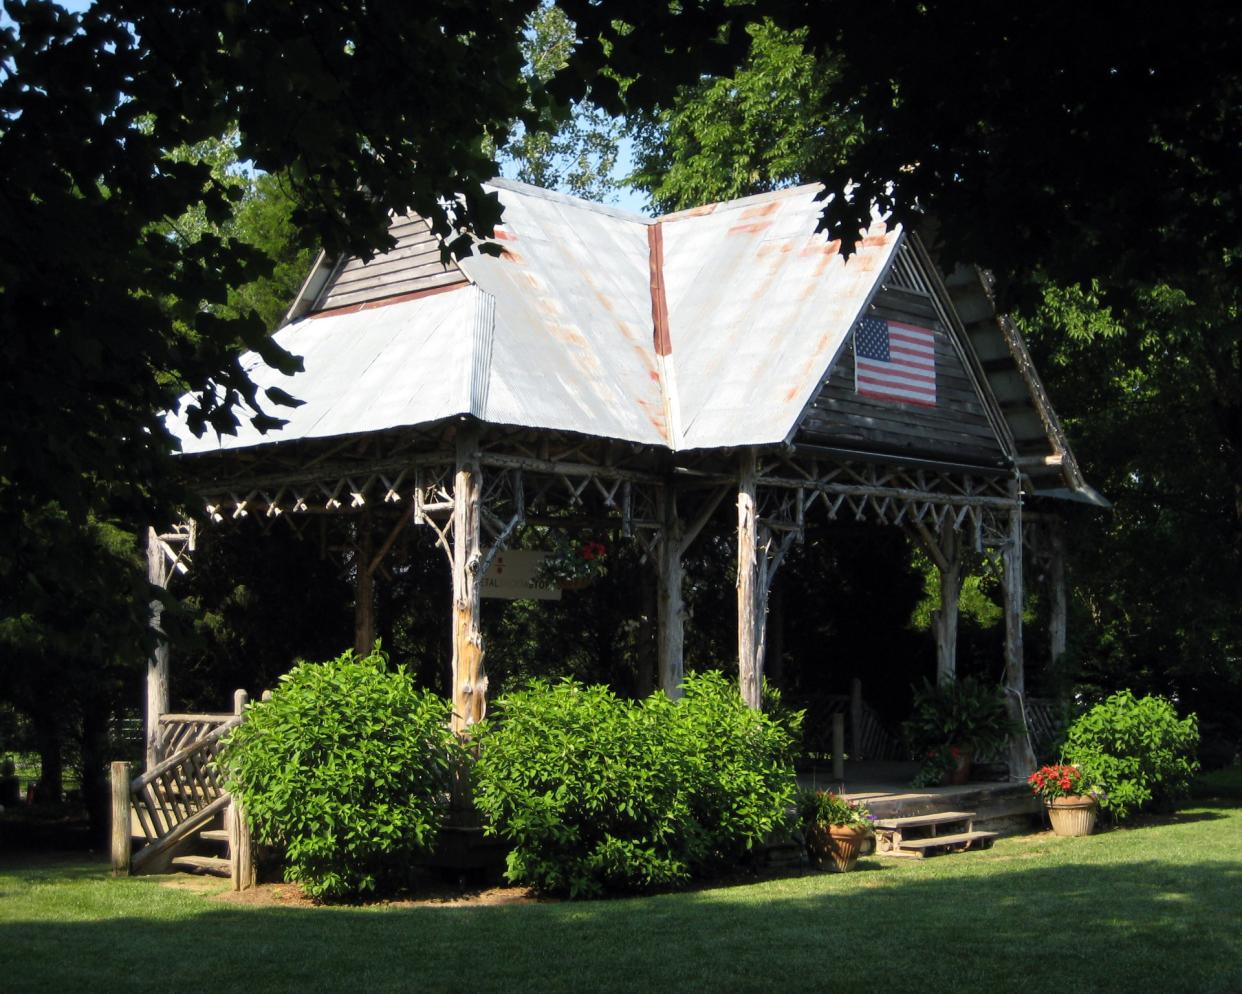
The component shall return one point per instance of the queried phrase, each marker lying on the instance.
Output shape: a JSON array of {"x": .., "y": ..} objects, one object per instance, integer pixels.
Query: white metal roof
[{"x": 557, "y": 333}]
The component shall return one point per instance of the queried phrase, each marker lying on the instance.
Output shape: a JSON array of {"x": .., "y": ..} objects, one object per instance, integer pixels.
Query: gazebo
[{"x": 638, "y": 372}]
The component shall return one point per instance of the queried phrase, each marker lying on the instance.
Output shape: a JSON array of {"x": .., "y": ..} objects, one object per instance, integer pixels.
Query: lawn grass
[{"x": 1157, "y": 907}]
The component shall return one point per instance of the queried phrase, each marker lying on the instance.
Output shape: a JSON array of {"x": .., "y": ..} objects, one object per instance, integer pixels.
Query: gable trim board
[{"x": 581, "y": 322}]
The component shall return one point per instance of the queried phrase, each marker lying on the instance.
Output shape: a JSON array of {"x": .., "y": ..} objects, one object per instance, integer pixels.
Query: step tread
[
  {"x": 215, "y": 834},
  {"x": 947, "y": 840},
  {"x": 216, "y": 865},
  {"x": 915, "y": 821}
]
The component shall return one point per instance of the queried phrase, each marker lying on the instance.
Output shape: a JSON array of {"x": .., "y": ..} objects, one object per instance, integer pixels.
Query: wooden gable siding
[
  {"x": 413, "y": 264},
  {"x": 957, "y": 429}
]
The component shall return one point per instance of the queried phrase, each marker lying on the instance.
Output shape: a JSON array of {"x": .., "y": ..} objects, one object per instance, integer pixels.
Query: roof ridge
[
  {"x": 515, "y": 186},
  {"x": 739, "y": 202}
]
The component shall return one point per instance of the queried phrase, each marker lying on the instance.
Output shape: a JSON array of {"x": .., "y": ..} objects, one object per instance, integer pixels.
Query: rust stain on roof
[
  {"x": 752, "y": 228},
  {"x": 761, "y": 210}
]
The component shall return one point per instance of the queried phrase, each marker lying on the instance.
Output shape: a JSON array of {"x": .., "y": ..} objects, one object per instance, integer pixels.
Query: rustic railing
[
  {"x": 177, "y": 731},
  {"x": 179, "y": 796}
]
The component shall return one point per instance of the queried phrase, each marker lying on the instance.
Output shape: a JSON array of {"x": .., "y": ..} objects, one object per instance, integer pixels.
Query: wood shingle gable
[{"x": 963, "y": 424}]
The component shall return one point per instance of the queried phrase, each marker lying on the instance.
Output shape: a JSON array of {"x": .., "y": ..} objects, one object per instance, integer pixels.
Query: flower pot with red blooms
[
  {"x": 573, "y": 564},
  {"x": 835, "y": 829},
  {"x": 1072, "y": 802}
]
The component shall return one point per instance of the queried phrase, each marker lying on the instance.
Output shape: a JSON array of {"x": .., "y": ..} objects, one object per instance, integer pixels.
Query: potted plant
[
  {"x": 952, "y": 723},
  {"x": 834, "y": 828},
  {"x": 1071, "y": 801}
]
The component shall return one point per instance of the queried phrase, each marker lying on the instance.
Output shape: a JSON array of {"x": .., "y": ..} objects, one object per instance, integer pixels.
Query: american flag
[{"x": 895, "y": 361}]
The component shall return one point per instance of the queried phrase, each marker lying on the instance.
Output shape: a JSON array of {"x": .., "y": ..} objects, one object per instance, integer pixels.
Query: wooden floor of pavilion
[{"x": 1001, "y": 806}]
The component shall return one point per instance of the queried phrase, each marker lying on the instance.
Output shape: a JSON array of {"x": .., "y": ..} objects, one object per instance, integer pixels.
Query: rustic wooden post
[
  {"x": 671, "y": 608},
  {"x": 158, "y": 572},
  {"x": 122, "y": 831},
  {"x": 1058, "y": 622},
  {"x": 1021, "y": 755},
  {"x": 749, "y": 633},
  {"x": 838, "y": 746},
  {"x": 241, "y": 846},
  {"x": 469, "y": 679},
  {"x": 950, "y": 570},
  {"x": 856, "y": 717},
  {"x": 364, "y": 587}
]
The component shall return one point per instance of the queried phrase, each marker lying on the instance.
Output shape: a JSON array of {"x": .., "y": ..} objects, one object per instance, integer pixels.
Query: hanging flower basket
[{"x": 572, "y": 565}]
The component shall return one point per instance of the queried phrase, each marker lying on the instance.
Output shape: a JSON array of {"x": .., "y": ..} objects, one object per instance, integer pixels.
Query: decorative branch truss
[{"x": 926, "y": 499}]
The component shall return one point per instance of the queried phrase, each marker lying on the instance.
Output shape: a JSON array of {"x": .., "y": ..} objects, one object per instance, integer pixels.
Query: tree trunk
[
  {"x": 47, "y": 729},
  {"x": 1058, "y": 622}
]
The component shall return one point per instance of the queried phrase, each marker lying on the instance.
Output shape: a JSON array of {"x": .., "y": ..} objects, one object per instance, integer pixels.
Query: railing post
[
  {"x": 241, "y": 846},
  {"x": 121, "y": 827}
]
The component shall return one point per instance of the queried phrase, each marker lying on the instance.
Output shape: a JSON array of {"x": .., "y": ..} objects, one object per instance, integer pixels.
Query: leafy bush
[
  {"x": 347, "y": 769},
  {"x": 965, "y": 713},
  {"x": 596, "y": 793},
  {"x": 1137, "y": 750}
]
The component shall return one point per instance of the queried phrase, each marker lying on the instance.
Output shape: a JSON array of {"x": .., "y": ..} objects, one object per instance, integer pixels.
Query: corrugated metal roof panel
[
  {"x": 573, "y": 345},
  {"x": 759, "y": 304},
  {"x": 402, "y": 364}
]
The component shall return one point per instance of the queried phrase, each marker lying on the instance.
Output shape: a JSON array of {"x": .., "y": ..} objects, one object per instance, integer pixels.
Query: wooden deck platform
[{"x": 1004, "y": 807}]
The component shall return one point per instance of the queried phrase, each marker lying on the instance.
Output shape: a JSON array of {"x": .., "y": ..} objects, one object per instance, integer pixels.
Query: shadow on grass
[{"x": 1136, "y": 927}]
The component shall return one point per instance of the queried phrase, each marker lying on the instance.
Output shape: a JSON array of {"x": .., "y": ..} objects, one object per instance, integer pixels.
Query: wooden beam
[
  {"x": 671, "y": 609},
  {"x": 469, "y": 679},
  {"x": 749, "y": 632},
  {"x": 158, "y": 571},
  {"x": 1021, "y": 755}
]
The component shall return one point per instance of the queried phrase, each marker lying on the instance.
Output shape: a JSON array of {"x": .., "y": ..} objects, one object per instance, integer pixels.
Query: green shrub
[
  {"x": 596, "y": 793},
  {"x": 346, "y": 769},
  {"x": 1137, "y": 750}
]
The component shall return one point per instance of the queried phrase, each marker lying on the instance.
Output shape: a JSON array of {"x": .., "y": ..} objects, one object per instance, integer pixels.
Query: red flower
[{"x": 1065, "y": 783}]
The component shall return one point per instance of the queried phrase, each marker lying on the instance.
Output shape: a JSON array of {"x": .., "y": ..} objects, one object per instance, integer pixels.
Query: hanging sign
[{"x": 512, "y": 577}]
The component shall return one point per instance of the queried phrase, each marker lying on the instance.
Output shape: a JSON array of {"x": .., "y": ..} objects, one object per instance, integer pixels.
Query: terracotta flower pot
[
  {"x": 835, "y": 846},
  {"x": 1073, "y": 815},
  {"x": 962, "y": 763}
]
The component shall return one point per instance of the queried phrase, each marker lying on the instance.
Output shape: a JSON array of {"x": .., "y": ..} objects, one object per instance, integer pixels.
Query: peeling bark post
[
  {"x": 158, "y": 571},
  {"x": 122, "y": 831},
  {"x": 856, "y": 718},
  {"x": 1058, "y": 623},
  {"x": 364, "y": 587},
  {"x": 241, "y": 845},
  {"x": 469, "y": 680},
  {"x": 671, "y": 608},
  {"x": 950, "y": 592},
  {"x": 749, "y": 630},
  {"x": 1021, "y": 755}
]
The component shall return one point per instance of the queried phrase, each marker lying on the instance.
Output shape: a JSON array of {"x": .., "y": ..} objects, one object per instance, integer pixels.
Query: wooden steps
[
  {"x": 215, "y": 866},
  {"x": 918, "y": 836}
]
